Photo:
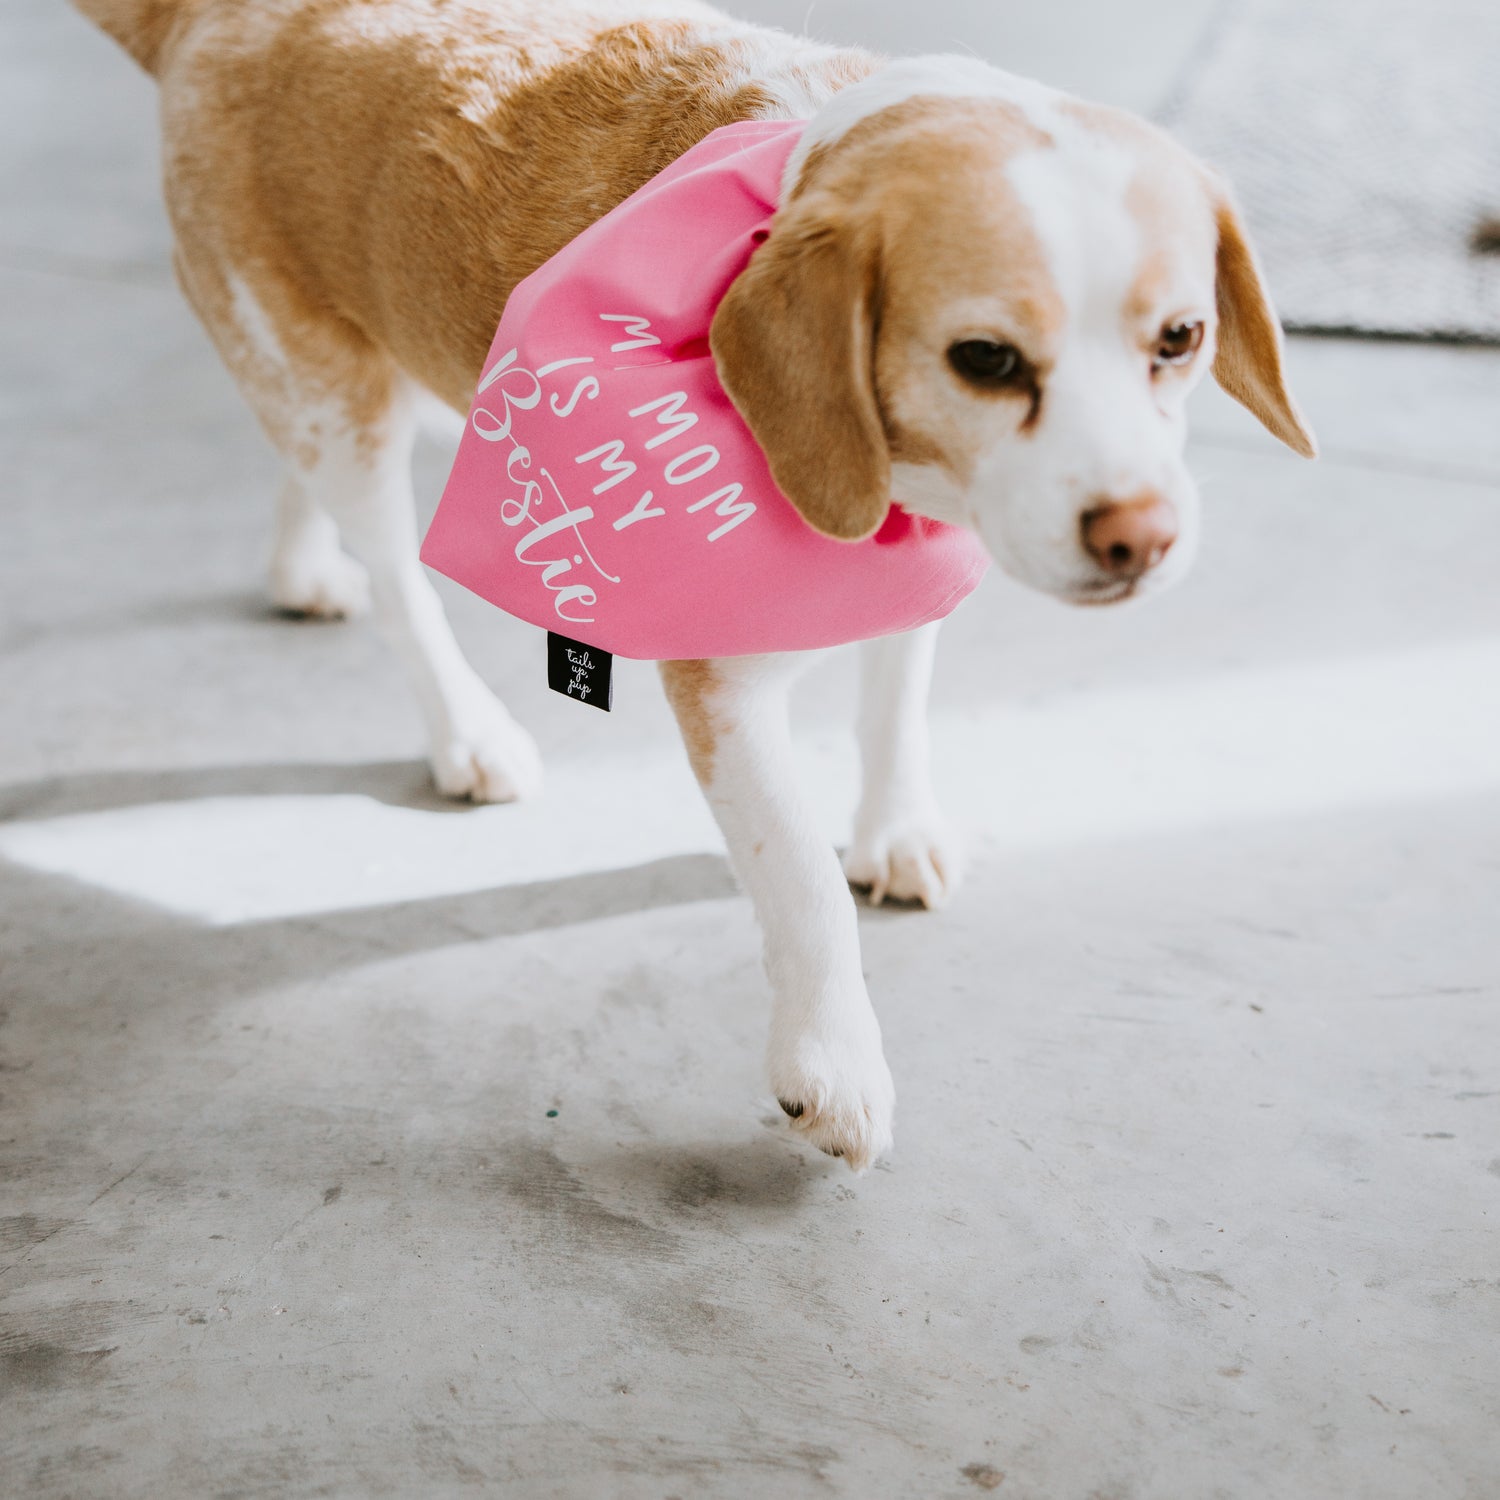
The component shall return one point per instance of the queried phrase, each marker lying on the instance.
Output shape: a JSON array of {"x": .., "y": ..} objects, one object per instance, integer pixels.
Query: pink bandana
[{"x": 605, "y": 488}]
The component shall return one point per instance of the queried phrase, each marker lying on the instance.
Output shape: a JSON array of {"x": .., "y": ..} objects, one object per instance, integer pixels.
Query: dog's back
[{"x": 404, "y": 165}]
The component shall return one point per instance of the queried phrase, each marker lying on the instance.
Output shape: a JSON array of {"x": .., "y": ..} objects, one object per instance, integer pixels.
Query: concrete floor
[{"x": 354, "y": 1145}]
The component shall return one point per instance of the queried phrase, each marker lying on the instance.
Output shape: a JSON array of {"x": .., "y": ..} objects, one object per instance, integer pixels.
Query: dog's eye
[
  {"x": 984, "y": 362},
  {"x": 1177, "y": 344}
]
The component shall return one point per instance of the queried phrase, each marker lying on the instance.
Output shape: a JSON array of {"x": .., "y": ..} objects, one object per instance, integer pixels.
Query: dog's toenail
[{"x": 792, "y": 1109}]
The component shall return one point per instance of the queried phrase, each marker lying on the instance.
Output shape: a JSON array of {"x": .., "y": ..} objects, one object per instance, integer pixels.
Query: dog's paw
[
  {"x": 838, "y": 1095},
  {"x": 487, "y": 757},
  {"x": 323, "y": 584},
  {"x": 916, "y": 859}
]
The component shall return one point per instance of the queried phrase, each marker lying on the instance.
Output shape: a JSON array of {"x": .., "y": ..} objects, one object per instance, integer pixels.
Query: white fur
[
  {"x": 931, "y": 490},
  {"x": 903, "y": 846},
  {"x": 783, "y": 68},
  {"x": 824, "y": 1052},
  {"x": 1107, "y": 431},
  {"x": 310, "y": 573}
]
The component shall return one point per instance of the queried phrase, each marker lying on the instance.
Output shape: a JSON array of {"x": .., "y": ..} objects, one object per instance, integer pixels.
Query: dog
[{"x": 981, "y": 300}]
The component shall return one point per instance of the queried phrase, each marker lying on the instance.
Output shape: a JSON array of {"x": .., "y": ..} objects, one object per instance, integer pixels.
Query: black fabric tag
[{"x": 580, "y": 672}]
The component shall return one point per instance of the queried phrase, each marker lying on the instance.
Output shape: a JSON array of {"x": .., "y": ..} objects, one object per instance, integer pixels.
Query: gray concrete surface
[{"x": 1198, "y": 1170}]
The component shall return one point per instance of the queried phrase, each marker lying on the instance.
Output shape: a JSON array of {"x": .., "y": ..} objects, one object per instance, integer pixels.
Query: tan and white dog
[{"x": 981, "y": 299}]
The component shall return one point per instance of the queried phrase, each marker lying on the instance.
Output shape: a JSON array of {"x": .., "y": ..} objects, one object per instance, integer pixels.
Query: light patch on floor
[{"x": 1089, "y": 767}]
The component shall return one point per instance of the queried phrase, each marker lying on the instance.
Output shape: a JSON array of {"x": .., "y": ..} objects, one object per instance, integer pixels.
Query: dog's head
[{"x": 989, "y": 302}]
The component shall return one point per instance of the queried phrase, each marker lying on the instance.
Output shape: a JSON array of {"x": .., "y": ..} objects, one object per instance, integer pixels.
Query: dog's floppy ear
[
  {"x": 794, "y": 343},
  {"x": 1249, "y": 362}
]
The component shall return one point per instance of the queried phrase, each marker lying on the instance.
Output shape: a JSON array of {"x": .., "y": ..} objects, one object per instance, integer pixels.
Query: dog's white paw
[
  {"x": 916, "y": 858},
  {"x": 838, "y": 1093},
  {"x": 486, "y": 757},
  {"x": 324, "y": 583}
]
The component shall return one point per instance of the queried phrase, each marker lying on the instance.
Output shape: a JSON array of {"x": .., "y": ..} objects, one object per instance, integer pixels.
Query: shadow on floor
[
  {"x": 74, "y": 939},
  {"x": 397, "y": 783}
]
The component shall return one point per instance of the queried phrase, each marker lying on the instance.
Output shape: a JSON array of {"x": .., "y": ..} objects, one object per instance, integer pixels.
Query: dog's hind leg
[
  {"x": 344, "y": 418},
  {"x": 361, "y": 478},
  {"x": 311, "y": 574},
  {"x": 903, "y": 847}
]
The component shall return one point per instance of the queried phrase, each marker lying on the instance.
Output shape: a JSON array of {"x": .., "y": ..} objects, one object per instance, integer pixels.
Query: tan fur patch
[
  {"x": 792, "y": 340},
  {"x": 381, "y": 173},
  {"x": 1249, "y": 363},
  {"x": 690, "y": 688}
]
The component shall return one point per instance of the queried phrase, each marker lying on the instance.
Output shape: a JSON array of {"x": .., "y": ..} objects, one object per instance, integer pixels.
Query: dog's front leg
[
  {"x": 903, "y": 847},
  {"x": 826, "y": 1063}
]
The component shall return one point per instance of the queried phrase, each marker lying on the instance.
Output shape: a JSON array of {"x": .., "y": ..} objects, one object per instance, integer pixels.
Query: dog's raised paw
[
  {"x": 918, "y": 861},
  {"x": 843, "y": 1107}
]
